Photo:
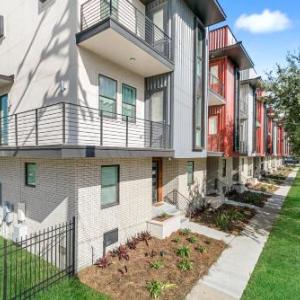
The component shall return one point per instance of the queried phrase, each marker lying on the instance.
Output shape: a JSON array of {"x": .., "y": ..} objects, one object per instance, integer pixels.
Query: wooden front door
[{"x": 157, "y": 180}]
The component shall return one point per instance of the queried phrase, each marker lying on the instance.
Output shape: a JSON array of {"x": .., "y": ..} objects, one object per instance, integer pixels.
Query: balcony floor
[{"x": 116, "y": 43}]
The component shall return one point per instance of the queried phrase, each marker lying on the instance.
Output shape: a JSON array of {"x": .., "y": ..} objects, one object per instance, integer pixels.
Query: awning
[
  {"x": 210, "y": 12},
  {"x": 236, "y": 53},
  {"x": 6, "y": 80},
  {"x": 254, "y": 82}
]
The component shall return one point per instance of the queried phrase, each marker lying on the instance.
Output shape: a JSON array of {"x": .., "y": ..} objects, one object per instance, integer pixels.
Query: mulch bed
[
  {"x": 119, "y": 284},
  {"x": 248, "y": 197},
  {"x": 265, "y": 187},
  {"x": 228, "y": 218}
]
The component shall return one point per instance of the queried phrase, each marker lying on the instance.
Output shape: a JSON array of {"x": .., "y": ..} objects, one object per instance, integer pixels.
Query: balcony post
[
  {"x": 63, "y": 122},
  {"x": 1, "y": 120},
  {"x": 36, "y": 127},
  {"x": 101, "y": 127},
  {"x": 164, "y": 135},
  {"x": 16, "y": 129},
  {"x": 126, "y": 131},
  {"x": 151, "y": 130}
]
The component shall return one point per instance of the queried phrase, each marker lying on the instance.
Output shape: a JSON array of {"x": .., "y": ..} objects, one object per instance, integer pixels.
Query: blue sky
[{"x": 270, "y": 47}]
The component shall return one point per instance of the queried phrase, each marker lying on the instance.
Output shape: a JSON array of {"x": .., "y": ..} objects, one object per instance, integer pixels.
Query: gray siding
[{"x": 183, "y": 39}]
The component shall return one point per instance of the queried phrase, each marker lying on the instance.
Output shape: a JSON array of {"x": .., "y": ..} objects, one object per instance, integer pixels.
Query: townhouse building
[
  {"x": 103, "y": 114},
  {"x": 227, "y": 118}
]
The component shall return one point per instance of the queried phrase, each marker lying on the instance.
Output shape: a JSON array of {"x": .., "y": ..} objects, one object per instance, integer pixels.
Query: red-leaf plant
[{"x": 103, "y": 262}]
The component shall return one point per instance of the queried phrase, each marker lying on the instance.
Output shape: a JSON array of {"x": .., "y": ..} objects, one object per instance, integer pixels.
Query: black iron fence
[
  {"x": 71, "y": 124},
  {"x": 122, "y": 11},
  {"x": 37, "y": 262}
]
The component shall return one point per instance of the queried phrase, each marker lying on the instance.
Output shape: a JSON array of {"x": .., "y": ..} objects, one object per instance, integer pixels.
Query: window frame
[
  {"x": 224, "y": 167},
  {"x": 199, "y": 26},
  {"x": 117, "y": 202},
  {"x": 27, "y": 164},
  {"x": 113, "y": 115},
  {"x": 193, "y": 172},
  {"x": 215, "y": 117},
  {"x": 130, "y": 119},
  {"x": 105, "y": 245}
]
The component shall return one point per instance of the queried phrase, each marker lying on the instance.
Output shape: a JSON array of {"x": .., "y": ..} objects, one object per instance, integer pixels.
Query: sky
[{"x": 267, "y": 28}]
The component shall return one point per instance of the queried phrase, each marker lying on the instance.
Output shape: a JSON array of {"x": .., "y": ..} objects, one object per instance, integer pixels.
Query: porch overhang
[
  {"x": 253, "y": 82},
  {"x": 215, "y": 154},
  {"x": 215, "y": 99},
  {"x": 6, "y": 80},
  {"x": 237, "y": 53}
]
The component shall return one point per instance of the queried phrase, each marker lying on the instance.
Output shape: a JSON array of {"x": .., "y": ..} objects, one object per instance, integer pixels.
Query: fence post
[
  {"x": 36, "y": 128},
  {"x": 126, "y": 131},
  {"x": 73, "y": 246},
  {"x": 5, "y": 270},
  {"x": 16, "y": 129}
]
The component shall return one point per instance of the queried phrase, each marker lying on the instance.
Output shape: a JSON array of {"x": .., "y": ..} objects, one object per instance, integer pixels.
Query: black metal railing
[
  {"x": 32, "y": 264},
  {"x": 94, "y": 12},
  {"x": 71, "y": 124},
  {"x": 216, "y": 85}
]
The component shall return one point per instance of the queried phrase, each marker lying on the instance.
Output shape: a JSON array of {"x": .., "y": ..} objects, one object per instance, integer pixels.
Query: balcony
[
  {"x": 79, "y": 128},
  {"x": 119, "y": 32},
  {"x": 215, "y": 145},
  {"x": 216, "y": 91}
]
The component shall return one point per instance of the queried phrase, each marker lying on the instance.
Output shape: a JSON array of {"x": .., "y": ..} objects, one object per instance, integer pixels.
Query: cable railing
[
  {"x": 216, "y": 85},
  {"x": 72, "y": 124},
  {"x": 127, "y": 15}
]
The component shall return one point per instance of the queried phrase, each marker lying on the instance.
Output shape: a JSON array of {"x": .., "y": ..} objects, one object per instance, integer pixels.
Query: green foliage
[
  {"x": 185, "y": 231},
  {"x": 185, "y": 265},
  {"x": 200, "y": 249},
  {"x": 156, "y": 265},
  {"x": 283, "y": 90},
  {"x": 176, "y": 240},
  {"x": 192, "y": 239},
  {"x": 183, "y": 251},
  {"x": 222, "y": 220},
  {"x": 156, "y": 288}
]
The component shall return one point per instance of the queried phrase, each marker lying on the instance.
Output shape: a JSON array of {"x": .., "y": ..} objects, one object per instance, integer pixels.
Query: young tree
[{"x": 283, "y": 94}]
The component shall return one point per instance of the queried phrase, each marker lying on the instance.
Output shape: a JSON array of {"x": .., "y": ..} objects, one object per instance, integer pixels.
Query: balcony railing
[
  {"x": 216, "y": 85},
  {"x": 215, "y": 143},
  {"x": 128, "y": 16},
  {"x": 71, "y": 124}
]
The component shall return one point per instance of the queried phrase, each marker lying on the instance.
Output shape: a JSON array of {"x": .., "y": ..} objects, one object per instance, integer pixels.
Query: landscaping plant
[
  {"x": 155, "y": 288},
  {"x": 192, "y": 239},
  {"x": 185, "y": 231},
  {"x": 156, "y": 265},
  {"x": 200, "y": 249},
  {"x": 103, "y": 262},
  {"x": 183, "y": 251},
  {"x": 185, "y": 265}
]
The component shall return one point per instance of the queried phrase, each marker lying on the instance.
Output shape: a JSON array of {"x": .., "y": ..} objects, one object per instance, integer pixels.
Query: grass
[
  {"x": 65, "y": 289},
  {"x": 277, "y": 273}
]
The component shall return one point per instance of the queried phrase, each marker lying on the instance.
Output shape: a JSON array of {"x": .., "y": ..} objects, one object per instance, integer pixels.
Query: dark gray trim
[
  {"x": 119, "y": 28},
  {"x": 7, "y": 79},
  {"x": 253, "y": 82},
  {"x": 70, "y": 152},
  {"x": 26, "y": 174}
]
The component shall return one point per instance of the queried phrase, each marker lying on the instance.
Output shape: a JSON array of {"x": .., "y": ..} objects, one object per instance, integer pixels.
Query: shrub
[
  {"x": 185, "y": 231},
  {"x": 103, "y": 262},
  {"x": 222, "y": 221},
  {"x": 144, "y": 236},
  {"x": 184, "y": 265},
  {"x": 122, "y": 252},
  {"x": 155, "y": 288},
  {"x": 183, "y": 251},
  {"x": 132, "y": 243},
  {"x": 156, "y": 265},
  {"x": 192, "y": 239},
  {"x": 200, "y": 249}
]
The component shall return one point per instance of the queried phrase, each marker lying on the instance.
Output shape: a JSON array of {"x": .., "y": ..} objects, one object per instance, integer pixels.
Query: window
[
  {"x": 110, "y": 238},
  {"x": 224, "y": 167},
  {"x": 109, "y": 186},
  {"x": 1, "y": 27},
  {"x": 213, "y": 125},
  {"x": 30, "y": 174},
  {"x": 190, "y": 173},
  {"x": 199, "y": 91},
  {"x": 108, "y": 96},
  {"x": 129, "y": 102},
  {"x": 157, "y": 106}
]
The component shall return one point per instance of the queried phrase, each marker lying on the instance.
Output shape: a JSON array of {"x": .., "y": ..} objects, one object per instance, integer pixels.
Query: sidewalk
[{"x": 228, "y": 278}]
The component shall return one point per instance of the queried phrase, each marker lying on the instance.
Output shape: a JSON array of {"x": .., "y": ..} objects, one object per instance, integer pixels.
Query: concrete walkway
[{"x": 228, "y": 278}]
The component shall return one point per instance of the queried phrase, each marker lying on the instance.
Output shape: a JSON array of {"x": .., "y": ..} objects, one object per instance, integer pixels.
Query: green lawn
[
  {"x": 277, "y": 273},
  {"x": 65, "y": 289}
]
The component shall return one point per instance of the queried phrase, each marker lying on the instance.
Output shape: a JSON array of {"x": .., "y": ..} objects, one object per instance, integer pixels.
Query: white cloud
[{"x": 267, "y": 21}]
